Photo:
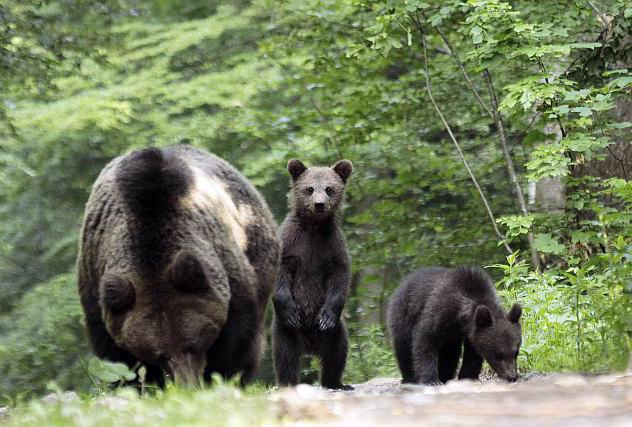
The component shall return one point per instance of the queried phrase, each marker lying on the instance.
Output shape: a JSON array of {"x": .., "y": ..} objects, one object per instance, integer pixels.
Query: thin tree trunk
[
  {"x": 490, "y": 214},
  {"x": 535, "y": 259}
]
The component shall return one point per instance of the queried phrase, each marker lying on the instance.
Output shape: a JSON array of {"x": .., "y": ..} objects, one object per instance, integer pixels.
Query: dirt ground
[{"x": 552, "y": 400}]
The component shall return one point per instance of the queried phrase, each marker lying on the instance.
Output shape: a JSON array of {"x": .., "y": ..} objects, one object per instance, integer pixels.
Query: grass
[{"x": 222, "y": 405}]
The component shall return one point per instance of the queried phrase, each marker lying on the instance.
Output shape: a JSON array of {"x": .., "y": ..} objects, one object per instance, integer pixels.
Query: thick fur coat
[
  {"x": 314, "y": 276},
  {"x": 437, "y": 313},
  {"x": 178, "y": 258}
]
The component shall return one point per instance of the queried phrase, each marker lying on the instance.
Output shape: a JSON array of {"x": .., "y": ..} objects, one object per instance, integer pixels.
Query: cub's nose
[
  {"x": 512, "y": 379},
  {"x": 320, "y": 207}
]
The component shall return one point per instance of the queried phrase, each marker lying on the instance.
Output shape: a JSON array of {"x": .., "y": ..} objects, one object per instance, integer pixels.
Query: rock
[
  {"x": 114, "y": 403},
  {"x": 65, "y": 397},
  {"x": 4, "y": 412}
]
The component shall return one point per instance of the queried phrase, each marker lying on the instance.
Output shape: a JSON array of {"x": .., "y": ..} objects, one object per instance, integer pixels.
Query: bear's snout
[{"x": 319, "y": 207}]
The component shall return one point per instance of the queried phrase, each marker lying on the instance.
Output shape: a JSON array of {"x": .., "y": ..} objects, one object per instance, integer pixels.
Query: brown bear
[
  {"x": 314, "y": 276},
  {"x": 437, "y": 312},
  {"x": 178, "y": 257}
]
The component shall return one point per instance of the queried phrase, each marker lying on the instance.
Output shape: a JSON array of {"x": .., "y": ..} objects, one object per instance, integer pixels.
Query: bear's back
[
  {"x": 412, "y": 296},
  {"x": 216, "y": 211}
]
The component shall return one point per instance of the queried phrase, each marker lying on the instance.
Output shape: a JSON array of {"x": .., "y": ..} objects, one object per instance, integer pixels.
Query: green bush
[
  {"x": 44, "y": 340},
  {"x": 370, "y": 355},
  {"x": 576, "y": 319}
]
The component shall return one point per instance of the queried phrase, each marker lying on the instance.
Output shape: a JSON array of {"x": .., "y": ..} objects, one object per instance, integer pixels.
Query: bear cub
[
  {"x": 437, "y": 313},
  {"x": 314, "y": 276}
]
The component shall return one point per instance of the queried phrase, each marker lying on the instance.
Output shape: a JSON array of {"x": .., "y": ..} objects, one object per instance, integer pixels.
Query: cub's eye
[
  {"x": 499, "y": 356},
  {"x": 328, "y": 190},
  {"x": 310, "y": 190}
]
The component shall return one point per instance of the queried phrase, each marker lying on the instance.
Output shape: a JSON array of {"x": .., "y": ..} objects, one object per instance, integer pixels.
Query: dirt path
[{"x": 555, "y": 400}]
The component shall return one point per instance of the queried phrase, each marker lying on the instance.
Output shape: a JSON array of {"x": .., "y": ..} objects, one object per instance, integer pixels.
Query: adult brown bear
[{"x": 178, "y": 258}]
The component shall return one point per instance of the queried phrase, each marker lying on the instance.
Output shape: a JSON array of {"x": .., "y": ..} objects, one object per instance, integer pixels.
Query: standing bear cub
[
  {"x": 436, "y": 312},
  {"x": 314, "y": 276}
]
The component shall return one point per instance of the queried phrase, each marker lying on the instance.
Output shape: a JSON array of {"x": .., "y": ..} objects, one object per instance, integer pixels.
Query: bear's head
[
  {"x": 498, "y": 339},
  {"x": 169, "y": 321},
  {"x": 317, "y": 191}
]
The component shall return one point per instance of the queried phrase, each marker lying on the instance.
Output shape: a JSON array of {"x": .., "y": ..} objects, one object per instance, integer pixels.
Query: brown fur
[
  {"x": 314, "y": 276},
  {"x": 437, "y": 312},
  {"x": 178, "y": 259}
]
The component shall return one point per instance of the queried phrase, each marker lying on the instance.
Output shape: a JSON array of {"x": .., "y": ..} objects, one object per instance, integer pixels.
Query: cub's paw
[
  {"x": 339, "y": 387},
  {"x": 327, "y": 320},
  {"x": 292, "y": 318}
]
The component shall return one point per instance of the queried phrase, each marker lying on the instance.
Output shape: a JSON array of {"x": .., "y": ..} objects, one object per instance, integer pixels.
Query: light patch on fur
[{"x": 210, "y": 193}]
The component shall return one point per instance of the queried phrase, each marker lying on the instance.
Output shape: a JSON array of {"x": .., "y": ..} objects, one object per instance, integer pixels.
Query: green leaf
[
  {"x": 548, "y": 244},
  {"x": 110, "y": 372},
  {"x": 477, "y": 35}
]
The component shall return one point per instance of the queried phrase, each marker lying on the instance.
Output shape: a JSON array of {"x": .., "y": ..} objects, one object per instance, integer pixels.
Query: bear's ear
[
  {"x": 295, "y": 167},
  {"x": 514, "y": 314},
  {"x": 187, "y": 273},
  {"x": 483, "y": 317},
  {"x": 116, "y": 293},
  {"x": 343, "y": 168}
]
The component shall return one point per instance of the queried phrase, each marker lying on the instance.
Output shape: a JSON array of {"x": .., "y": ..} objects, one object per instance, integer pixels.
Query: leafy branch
[
  {"x": 490, "y": 214},
  {"x": 495, "y": 115}
]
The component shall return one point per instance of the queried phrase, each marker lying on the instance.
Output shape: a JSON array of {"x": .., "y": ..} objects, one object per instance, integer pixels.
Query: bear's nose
[{"x": 319, "y": 206}]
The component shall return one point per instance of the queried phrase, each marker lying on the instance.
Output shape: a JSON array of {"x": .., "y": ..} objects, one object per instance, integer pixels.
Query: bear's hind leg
[
  {"x": 332, "y": 351},
  {"x": 449, "y": 356},
  {"x": 425, "y": 355},
  {"x": 404, "y": 356},
  {"x": 286, "y": 354}
]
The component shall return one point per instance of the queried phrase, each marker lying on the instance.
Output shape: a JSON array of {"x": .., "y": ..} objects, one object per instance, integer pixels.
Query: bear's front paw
[
  {"x": 326, "y": 320},
  {"x": 430, "y": 382},
  {"x": 292, "y": 318}
]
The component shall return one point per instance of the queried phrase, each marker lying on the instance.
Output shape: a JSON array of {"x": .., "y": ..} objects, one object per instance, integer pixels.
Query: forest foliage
[{"x": 534, "y": 95}]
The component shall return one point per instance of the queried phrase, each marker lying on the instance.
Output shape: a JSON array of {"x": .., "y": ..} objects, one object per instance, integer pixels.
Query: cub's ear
[
  {"x": 483, "y": 317},
  {"x": 514, "y": 314},
  {"x": 186, "y": 272},
  {"x": 343, "y": 168},
  {"x": 295, "y": 167},
  {"x": 117, "y": 293}
]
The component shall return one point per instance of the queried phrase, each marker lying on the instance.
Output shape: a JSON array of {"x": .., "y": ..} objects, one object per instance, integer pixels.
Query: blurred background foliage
[{"x": 258, "y": 82}]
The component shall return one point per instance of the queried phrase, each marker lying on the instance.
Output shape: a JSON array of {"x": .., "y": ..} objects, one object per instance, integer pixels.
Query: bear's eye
[
  {"x": 499, "y": 356},
  {"x": 310, "y": 190},
  {"x": 328, "y": 190}
]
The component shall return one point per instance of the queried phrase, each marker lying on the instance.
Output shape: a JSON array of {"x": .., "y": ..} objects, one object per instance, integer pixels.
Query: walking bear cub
[
  {"x": 436, "y": 312},
  {"x": 314, "y": 276},
  {"x": 179, "y": 256}
]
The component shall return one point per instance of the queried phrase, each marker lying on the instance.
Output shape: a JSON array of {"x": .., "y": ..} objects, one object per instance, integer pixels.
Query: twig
[
  {"x": 484, "y": 107},
  {"x": 620, "y": 160},
  {"x": 490, "y": 214},
  {"x": 600, "y": 15}
]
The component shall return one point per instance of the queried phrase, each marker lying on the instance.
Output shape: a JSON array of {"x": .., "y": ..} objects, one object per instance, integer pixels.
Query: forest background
[{"x": 484, "y": 133}]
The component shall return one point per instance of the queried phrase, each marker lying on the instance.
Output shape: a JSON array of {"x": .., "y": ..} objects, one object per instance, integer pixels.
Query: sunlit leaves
[
  {"x": 548, "y": 244},
  {"x": 109, "y": 372},
  {"x": 516, "y": 224}
]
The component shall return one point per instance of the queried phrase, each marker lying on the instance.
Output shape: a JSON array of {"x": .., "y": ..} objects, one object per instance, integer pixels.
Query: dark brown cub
[
  {"x": 437, "y": 313},
  {"x": 314, "y": 276}
]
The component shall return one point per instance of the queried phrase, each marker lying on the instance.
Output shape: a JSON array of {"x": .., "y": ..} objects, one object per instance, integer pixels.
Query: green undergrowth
[{"x": 221, "y": 405}]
